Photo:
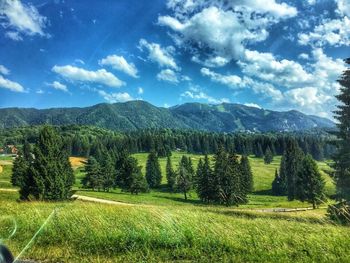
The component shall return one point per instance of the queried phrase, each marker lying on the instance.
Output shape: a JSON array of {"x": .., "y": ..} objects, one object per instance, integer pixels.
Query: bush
[{"x": 340, "y": 212}]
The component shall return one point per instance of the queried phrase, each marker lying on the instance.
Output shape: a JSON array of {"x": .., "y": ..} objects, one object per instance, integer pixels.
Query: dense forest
[{"x": 85, "y": 141}]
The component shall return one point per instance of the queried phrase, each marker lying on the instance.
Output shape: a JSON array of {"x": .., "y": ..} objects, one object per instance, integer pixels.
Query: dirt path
[{"x": 99, "y": 200}]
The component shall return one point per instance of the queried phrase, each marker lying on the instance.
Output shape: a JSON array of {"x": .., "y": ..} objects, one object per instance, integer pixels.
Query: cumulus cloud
[
  {"x": 100, "y": 76},
  {"x": 196, "y": 94},
  {"x": 58, "y": 86},
  {"x": 120, "y": 63},
  {"x": 21, "y": 18},
  {"x": 115, "y": 97},
  {"x": 4, "y": 70},
  {"x": 168, "y": 75},
  {"x": 162, "y": 56},
  {"x": 252, "y": 105},
  {"x": 222, "y": 27},
  {"x": 10, "y": 85}
]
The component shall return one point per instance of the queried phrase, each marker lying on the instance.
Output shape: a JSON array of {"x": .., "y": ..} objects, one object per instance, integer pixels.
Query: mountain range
[{"x": 134, "y": 115}]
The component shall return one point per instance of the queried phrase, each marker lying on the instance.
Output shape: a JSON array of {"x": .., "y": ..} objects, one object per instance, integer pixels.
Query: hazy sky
[{"x": 265, "y": 53}]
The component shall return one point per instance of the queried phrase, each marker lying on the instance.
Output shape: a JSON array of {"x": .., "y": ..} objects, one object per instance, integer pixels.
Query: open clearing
[{"x": 160, "y": 226}]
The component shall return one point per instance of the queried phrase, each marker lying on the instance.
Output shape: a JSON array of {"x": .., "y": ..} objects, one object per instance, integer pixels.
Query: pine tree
[
  {"x": 282, "y": 177},
  {"x": 278, "y": 188},
  {"x": 259, "y": 152},
  {"x": 108, "y": 172},
  {"x": 138, "y": 181},
  {"x": 170, "y": 174},
  {"x": 50, "y": 175},
  {"x": 293, "y": 157},
  {"x": 268, "y": 157},
  {"x": 206, "y": 187},
  {"x": 309, "y": 182},
  {"x": 93, "y": 178},
  {"x": 184, "y": 177},
  {"x": 19, "y": 170},
  {"x": 342, "y": 163},
  {"x": 153, "y": 172},
  {"x": 247, "y": 175}
]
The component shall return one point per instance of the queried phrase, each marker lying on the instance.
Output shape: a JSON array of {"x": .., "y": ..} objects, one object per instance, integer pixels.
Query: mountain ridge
[{"x": 134, "y": 115}]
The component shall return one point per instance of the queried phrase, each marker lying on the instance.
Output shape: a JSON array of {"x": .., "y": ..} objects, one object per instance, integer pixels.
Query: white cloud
[
  {"x": 285, "y": 73},
  {"x": 253, "y": 105},
  {"x": 23, "y": 18},
  {"x": 100, "y": 76},
  {"x": 233, "y": 81},
  {"x": 211, "y": 62},
  {"x": 221, "y": 29},
  {"x": 39, "y": 91},
  {"x": 195, "y": 93},
  {"x": 58, "y": 86},
  {"x": 140, "y": 91},
  {"x": 168, "y": 75},
  {"x": 334, "y": 32},
  {"x": 115, "y": 97},
  {"x": 11, "y": 85},
  {"x": 4, "y": 70},
  {"x": 344, "y": 7},
  {"x": 162, "y": 56},
  {"x": 120, "y": 63},
  {"x": 13, "y": 35},
  {"x": 303, "y": 56}
]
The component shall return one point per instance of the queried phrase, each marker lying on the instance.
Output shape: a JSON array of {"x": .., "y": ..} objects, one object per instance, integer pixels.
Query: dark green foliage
[
  {"x": 278, "y": 187},
  {"x": 342, "y": 158},
  {"x": 247, "y": 175},
  {"x": 259, "y": 152},
  {"x": 185, "y": 172},
  {"x": 138, "y": 181},
  {"x": 268, "y": 156},
  {"x": 94, "y": 177},
  {"x": 282, "y": 177},
  {"x": 50, "y": 175},
  {"x": 153, "y": 172},
  {"x": 108, "y": 172},
  {"x": 170, "y": 174},
  {"x": 309, "y": 183},
  {"x": 19, "y": 171},
  {"x": 292, "y": 161},
  {"x": 206, "y": 186}
]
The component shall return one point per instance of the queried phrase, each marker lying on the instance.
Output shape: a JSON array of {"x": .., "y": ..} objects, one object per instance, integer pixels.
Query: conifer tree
[
  {"x": 138, "y": 181},
  {"x": 184, "y": 177},
  {"x": 170, "y": 174},
  {"x": 247, "y": 175},
  {"x": 282, "y": 177},
  {"x": 93, "y": 178},
  {"x": 108, "y": 172},
  {"x": 342, "y": 163},
  {"x": 268, "y": 157},
  {"x": 153, "y": 172},
  {"x": 259, "y": 151},
  {"x": 309, "y": 182},
  {"x": 19, "y": 170},
  {"x": 206, "y": 186},
  {"x": 50, "y": 175},
  {"x": 278, "y": 188},
  {"x": 293, "y": 157}
]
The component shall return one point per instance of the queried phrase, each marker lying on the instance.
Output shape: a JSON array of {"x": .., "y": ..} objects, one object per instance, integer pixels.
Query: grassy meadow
[{"x": 162, "y": 227}]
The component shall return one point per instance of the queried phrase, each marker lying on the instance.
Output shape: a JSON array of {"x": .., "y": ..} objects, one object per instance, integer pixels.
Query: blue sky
[{"x": 273, "y": 54}]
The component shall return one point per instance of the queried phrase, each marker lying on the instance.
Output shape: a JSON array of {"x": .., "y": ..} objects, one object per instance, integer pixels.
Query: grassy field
[{"x": 162, "y": 227}]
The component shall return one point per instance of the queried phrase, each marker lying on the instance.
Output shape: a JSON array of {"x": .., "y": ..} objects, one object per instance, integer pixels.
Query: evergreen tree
[
  {"x": 170, "y": 174},
  {"x": 19, "y": 170},
  {"x": 282, "y": 177},
  {"x": 50, "y": 175},
  {"x": 184, "y": 177},
  {"x": 293, "y": 157},
  {"x": 108, "y": 172},
  {"x": 278, "y": 188},
  {"x": 138, "y": 181},
  {"x": 309, "y": 182},
  {"x": 268, "y": 157},
  {"x": 259, "y": 152},
  {"x": 247, "y": 175},
  {"x": 94, "y": 177},
  {"x": 342, "y": 157},
  {"x": 206, "y": 188},
  {"x": 153, "y": 172}
]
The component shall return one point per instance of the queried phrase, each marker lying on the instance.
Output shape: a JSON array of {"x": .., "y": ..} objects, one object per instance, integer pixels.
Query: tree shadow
[
  {"x": 263, "y": 192},
  {"x": 182, "y": 200},
  {"x": 252, "y": 215}
]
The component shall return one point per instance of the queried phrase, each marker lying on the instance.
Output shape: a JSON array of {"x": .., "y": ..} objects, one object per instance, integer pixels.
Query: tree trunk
[
  {"x": 314, "y": 205},
  {"x": 185, "y": 195}
]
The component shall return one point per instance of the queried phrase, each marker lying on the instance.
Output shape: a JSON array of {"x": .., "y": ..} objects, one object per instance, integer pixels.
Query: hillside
[{"x": 135, "y": 115}]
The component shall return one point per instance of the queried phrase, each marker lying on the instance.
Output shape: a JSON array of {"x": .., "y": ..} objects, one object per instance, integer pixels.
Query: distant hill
[{"x": 135, "y": 115}]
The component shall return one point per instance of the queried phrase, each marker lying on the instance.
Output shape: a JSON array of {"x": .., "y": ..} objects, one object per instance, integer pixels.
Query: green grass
[
  {"x": 162, "y": 227},
  {"x": 87, "y": 232}
]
